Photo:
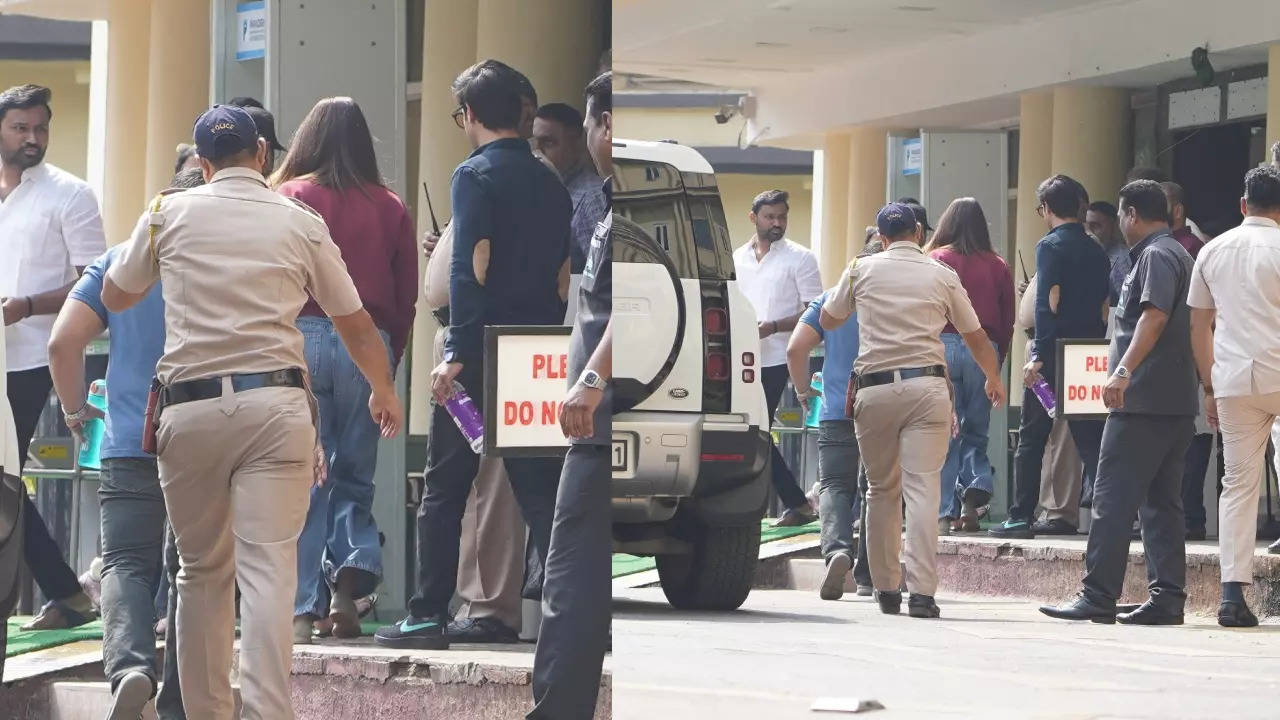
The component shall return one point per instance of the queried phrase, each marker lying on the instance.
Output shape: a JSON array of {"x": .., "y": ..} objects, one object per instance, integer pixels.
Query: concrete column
[
  {"x": 1092, "y": 138},
  {"x": 835, "y": 208},
  {"x": 449, "y": 47},
  {"x": 178, "y": 84},
  {"x": 556, "y": 43},
  {"x": 125, "y": 189},
  {"x": 1273, "y": 97},
  {"x": 1035, "y": 137},
  {"x": 866, "y": 183}
]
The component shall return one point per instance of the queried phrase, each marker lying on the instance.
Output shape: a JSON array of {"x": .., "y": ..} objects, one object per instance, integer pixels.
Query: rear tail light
[
  {"x": 717, "y": 367},
  {"x": 748, "y": 376},
  {"x": 748, "y": 359},
  {"x": 715, "y": 321}
]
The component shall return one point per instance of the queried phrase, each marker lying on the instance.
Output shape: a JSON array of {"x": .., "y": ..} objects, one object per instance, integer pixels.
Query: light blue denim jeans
[
  {"x": 340, "y": 519},
  {"x": 967, "y": 464}
]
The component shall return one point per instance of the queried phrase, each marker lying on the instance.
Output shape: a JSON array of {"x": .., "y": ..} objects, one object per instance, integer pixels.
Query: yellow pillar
[
  {"x": 556, "y": 43},
  {"x": 835, "y": 208},
  {"x": 178, "y": 84},
  {"x": 449, "y": 47},
  {"x": 1035, "y": 137},
  {"x": 125, "y": 194},
  {"x": 1273, "y": 97},
  {"x": 866, "y": 183},
  {"x": 1092, "y": 138}
]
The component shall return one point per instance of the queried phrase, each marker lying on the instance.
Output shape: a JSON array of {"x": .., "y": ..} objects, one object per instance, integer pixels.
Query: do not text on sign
[
  {"x": 1082, "y": 374},
  {"x": 526, "y": 376}
]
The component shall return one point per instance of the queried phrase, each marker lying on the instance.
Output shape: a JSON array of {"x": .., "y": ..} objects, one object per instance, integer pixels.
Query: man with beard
[
  {"x": 779, "y": 277},
  {"x": 50, "y": 230}
]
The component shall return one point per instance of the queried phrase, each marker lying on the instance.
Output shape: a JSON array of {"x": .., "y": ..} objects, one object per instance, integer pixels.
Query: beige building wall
[
  {"x": 695, "y": 127},
  {"x": 69, "y": 131},
  {"x": 738, "y": 190}
]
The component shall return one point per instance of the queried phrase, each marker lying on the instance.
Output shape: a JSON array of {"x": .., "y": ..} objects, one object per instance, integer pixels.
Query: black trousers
[
  {"x": 28, "y": 393},
  {"x": 1198, "y": 455},
  {"x": 451, "y": 469},
  {"x": 774, "y": 380},
  {"x": 577, "y": 592},
  {"x": 169, "y": 701},
  {"x": 1033, "y": 436},
  {"x": 1140, "y": 471}
]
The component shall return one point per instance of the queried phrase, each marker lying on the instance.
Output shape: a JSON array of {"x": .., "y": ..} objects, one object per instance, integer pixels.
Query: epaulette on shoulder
[
  {"x": 171, "y": 191},
  {"x": 305, "y": 208}
]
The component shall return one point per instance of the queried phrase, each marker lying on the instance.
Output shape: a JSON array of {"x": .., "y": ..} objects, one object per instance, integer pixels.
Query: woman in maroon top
[
  {"x": 963, "y": 242},
  {"x": 332, "y": 168}
]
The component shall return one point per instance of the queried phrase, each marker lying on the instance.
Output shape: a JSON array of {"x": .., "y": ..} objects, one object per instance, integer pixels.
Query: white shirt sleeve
[
  {"x": 808, "y": 278},
  {"x": 82, "y": 228},
  {"x": 1198, "y": 294}
]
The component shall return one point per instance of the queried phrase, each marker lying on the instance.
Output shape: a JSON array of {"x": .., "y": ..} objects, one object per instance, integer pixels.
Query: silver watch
[
  {"x": 1122, "y": 372},
  {"x": 592, "y": 379}
]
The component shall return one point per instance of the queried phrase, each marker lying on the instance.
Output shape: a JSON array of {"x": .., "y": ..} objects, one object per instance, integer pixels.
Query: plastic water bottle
[
  {"x": 467, "y": 417},
  {"x": 1045, "y": 394},
  {"x": 815, "y": 403},
  {"x": 94, "y": 428}
]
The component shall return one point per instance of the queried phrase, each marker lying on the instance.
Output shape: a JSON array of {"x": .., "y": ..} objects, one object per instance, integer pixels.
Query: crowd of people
[
  {"x": 915, "y": 332},
  {"x": 256, "y": 316}
]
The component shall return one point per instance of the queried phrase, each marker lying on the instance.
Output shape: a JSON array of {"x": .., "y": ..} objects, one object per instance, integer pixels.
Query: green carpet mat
[
  {"x": 629, "y": 564},
  {"x": 31, "y": 640}
]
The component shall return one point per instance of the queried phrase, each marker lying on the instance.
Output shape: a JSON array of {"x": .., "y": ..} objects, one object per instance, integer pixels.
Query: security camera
[{"x": 726, "y": 113}]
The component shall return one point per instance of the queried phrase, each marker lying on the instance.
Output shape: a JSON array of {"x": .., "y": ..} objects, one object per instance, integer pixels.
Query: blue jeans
[
  {"x": 967, "y": 464},
  {"x": 340, "y": 519}
]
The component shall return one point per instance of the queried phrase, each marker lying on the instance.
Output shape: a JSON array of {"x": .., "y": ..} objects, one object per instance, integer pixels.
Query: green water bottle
[{"x": 94, "y": 428}]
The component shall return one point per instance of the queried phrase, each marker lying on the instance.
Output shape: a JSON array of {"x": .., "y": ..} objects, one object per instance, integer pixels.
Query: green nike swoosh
[{"x": 405, "y": 627}]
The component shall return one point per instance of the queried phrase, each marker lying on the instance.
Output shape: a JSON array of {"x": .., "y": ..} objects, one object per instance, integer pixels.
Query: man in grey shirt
[{"x": 1151, "y": 395}]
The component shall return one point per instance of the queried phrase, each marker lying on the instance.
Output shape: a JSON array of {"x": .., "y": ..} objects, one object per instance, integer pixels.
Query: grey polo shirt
[{"x": 1165, "y": 383}]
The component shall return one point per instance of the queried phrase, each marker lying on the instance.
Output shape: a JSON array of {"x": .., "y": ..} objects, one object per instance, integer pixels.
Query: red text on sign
[{"x": 551, "y": 367}]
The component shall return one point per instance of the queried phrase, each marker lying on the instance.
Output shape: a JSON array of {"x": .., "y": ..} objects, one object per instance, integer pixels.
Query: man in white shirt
[
  {"x": 1235, "y": 334},
  {"x": 779, "y": 277},
  {"x": 50, "y": 230}
]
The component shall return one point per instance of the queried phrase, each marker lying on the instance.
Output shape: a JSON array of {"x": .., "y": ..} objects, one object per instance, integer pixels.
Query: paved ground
[{"x": 984, "y": 659}]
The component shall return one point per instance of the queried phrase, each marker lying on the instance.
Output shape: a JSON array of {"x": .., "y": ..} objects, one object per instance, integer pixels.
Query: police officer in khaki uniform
[
  {"x": 236, "y": 439},
  {"x": 902, "y": 406}
]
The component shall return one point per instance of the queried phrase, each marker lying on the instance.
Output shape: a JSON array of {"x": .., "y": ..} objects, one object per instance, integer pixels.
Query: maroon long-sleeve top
[
  {"x": 372, "y": 228},
  {"x": 986, "y": 277}
]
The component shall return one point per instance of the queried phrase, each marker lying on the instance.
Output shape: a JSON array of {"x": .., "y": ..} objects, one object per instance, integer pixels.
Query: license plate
[{"x": 622, "y": 455}]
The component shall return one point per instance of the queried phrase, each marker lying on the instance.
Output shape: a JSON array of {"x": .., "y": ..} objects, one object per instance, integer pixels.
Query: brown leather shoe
[{"x": 58, "y": 615}]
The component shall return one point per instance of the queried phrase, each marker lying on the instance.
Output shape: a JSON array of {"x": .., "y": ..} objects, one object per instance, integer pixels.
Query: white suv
[{"x": 690, "y": 430}]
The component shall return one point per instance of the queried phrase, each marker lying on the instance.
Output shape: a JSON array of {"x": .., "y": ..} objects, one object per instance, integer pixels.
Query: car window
[
  {"x": 710, "y": 231},
  {"x": 651, "y": 195}
]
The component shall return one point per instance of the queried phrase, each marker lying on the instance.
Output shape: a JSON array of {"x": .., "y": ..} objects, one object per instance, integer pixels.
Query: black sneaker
[
  {"x": 481, "y": 630},
  {"x": 1056, "y": 526},
  {"x": 922, "y": 606},
  {"x": 415, "y": 633},
  {"x": 890, "y": 601},
  {"x": 1012, "y": 529}
]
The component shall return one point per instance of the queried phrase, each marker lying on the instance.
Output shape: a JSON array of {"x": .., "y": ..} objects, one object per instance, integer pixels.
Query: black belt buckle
[{"x": 441, "y": 315}]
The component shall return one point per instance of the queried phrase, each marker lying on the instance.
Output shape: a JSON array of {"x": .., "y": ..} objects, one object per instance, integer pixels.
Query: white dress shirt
[
  {"x": 49, "y": 226},
  {"x": 1238, "y": 275},
  {"x": 778, "y": 285}
]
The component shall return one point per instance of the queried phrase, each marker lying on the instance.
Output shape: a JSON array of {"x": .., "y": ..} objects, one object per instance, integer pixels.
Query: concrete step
[
  {"x": 91, "y": 700},
  {"x": 1043, "y": 570}
]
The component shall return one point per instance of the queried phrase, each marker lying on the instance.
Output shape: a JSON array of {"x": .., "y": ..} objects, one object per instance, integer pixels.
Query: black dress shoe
[
  {"x": 481, "y": 630},
  {"x": 922, "y": 606},
  {"x": 1080, "y": 608},
  {"x": 1236, "y": 614},
  {"x": 1149, "y": 614},
  {"x": 890, "y": 601},
  {"x": 1055, "y": 526},
  {"x": 1274, "y": 548}
]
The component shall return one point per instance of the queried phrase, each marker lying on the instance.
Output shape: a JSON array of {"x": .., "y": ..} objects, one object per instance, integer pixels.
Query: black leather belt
[
  {"x": 208, "y": 388},
  {"x": 886, "y": 377},
  {"x": 442, "y": 315}
]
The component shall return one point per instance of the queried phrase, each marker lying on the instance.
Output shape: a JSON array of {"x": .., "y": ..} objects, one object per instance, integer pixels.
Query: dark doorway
[{"x": 1210, "y": 163}]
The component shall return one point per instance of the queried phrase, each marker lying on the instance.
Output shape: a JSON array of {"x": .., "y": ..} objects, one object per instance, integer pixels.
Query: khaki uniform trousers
[
  {"x": 236, "y": 473},
  {"x": 491, "y": 551},
  {"x": 903, "y": 429},
  {"x": 1060, "y": 478},
  {"x": 1246, "y": 422}
]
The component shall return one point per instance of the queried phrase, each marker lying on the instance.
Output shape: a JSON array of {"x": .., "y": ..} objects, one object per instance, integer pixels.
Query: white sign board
[
  {"x": 1082, "y": 369},
  {"x": 251, "y": 30},
  {"x": 526, "y": 380},
  {"x": 912, "y": 156}
]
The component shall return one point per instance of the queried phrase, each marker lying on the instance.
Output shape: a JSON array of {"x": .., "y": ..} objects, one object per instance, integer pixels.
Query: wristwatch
[
  {"x": 1122, "y": 372},
  {"x": 592, "y": 379}
]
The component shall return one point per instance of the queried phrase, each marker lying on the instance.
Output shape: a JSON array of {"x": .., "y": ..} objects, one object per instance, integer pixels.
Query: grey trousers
[
  {"x": 1139, "y": 471},
  {"x": 841, "y": 481},
  {"x": 577, "y": 591},
  {"x": 132, "y": 540},
  {"x": 169, "y": 701}
]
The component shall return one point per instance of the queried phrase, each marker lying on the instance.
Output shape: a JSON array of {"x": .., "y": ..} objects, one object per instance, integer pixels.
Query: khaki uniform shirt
[
  {"x": 237, "y": 261},
  {"x": 903, "y": 299}
]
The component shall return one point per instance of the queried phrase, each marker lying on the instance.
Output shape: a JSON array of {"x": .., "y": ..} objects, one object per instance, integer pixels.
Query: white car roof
[{"x": 681, "y": 157}]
